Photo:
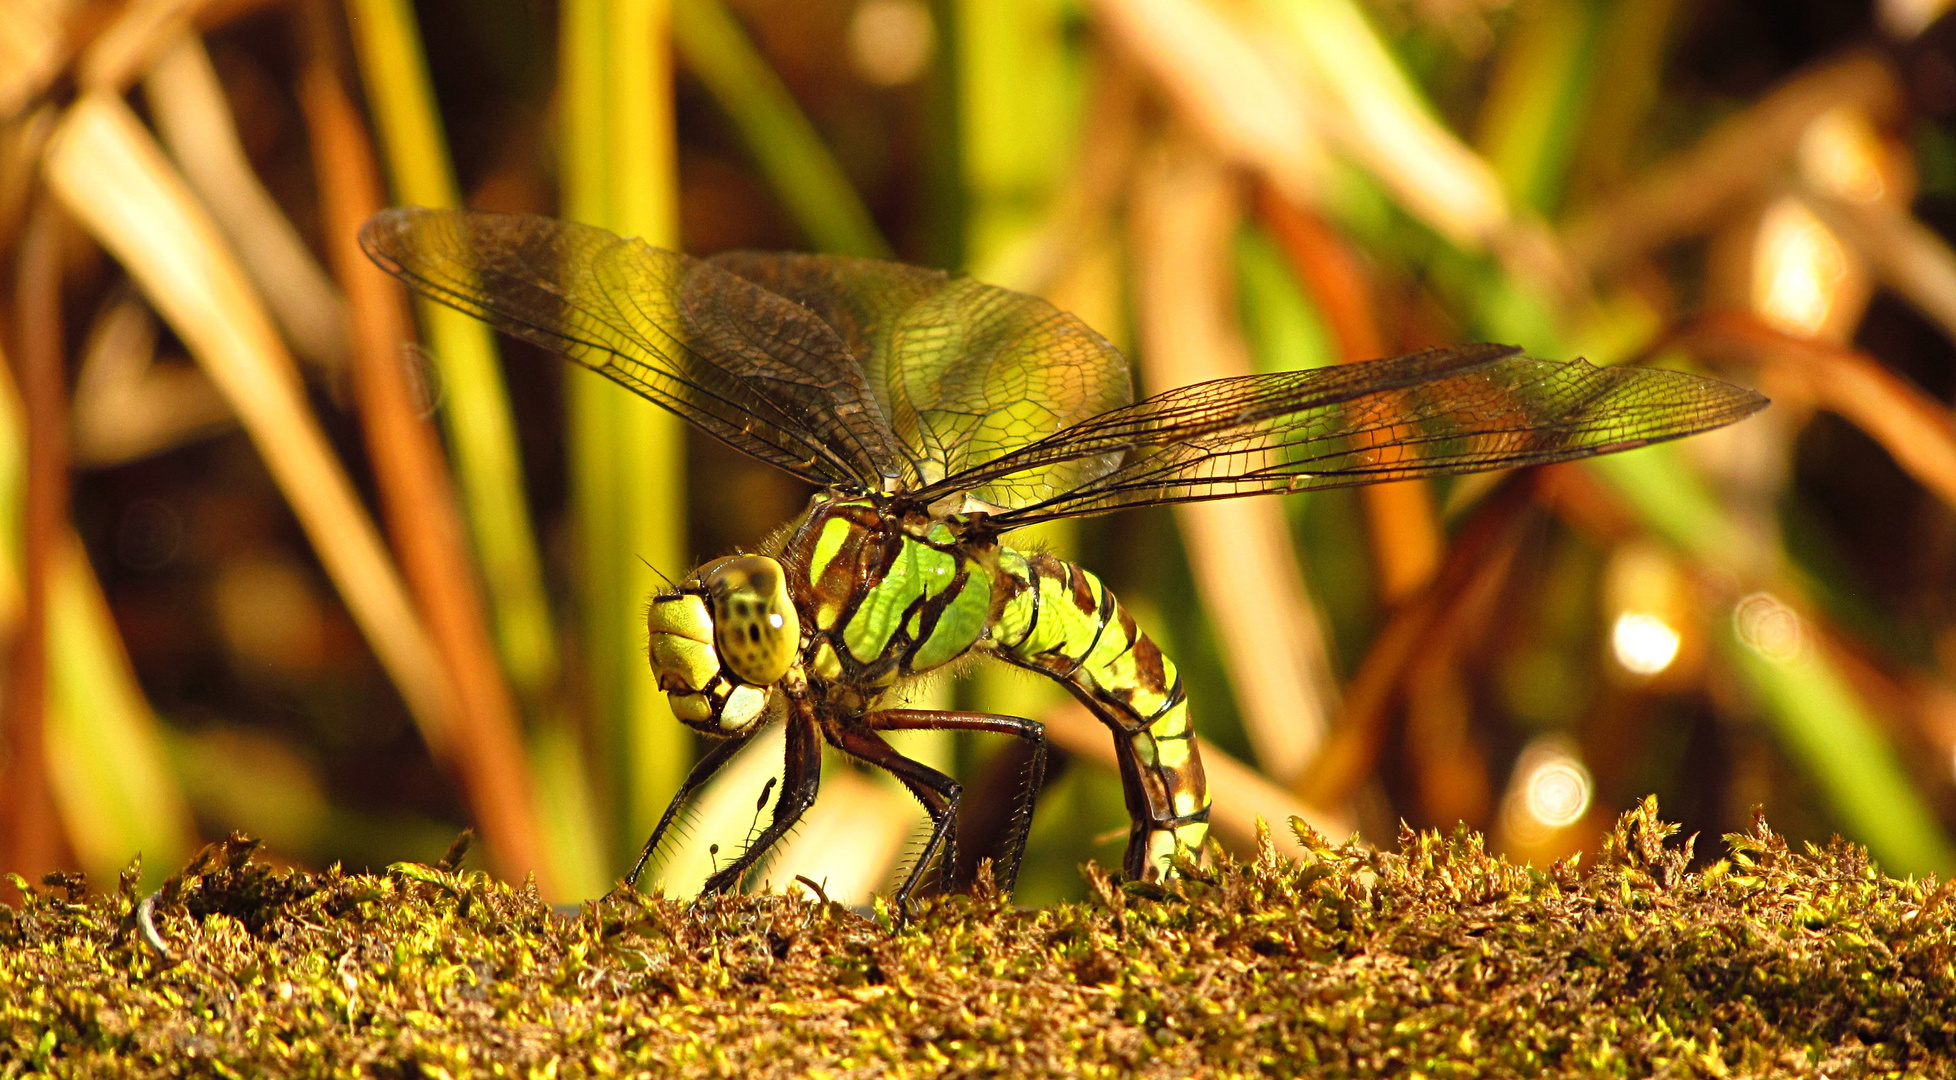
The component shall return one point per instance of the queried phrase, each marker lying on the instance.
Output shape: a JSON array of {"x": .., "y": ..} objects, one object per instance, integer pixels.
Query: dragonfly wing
[
  {"x": 1433, "y": 413},
  {"x": 966, "y": 372},
  {"x": 755, "y": 370}
]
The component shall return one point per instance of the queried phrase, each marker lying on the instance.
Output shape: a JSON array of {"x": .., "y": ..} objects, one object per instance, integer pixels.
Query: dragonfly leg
[
  {"x": 703, "y": 771},
  {"x": 938, "y": 793},
  {"x": 803, "y": 776},
  {"x": 1033, "y": 732}
]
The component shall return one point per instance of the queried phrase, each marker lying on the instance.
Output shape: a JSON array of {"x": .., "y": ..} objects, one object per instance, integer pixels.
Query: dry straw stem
[
  {"x": 1909, "y": 256},
  {"x": 113, "y": 178},
  {"x": 1916, "y": 430},
  {"x": 1698, "y": 188},
  {"x": 1184, "y": 213},
  {"x": 1245, "y": 798},
  {"x": 186, "y": 101},
  {"x": 130, "y": 44},
  {"x": 30, "y": 832},
  {"x": 419, "y": 503}
]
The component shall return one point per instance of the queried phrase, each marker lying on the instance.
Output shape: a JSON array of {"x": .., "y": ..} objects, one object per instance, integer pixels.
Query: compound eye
[
  {"x": 755, "y": 628},
  {"x": 680, "y": 641}
]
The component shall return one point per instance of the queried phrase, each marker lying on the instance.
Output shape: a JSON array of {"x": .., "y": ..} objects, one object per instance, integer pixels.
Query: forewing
[
  {"x": 966, "y": 372},
  {"x": 758, "y": 371},
  {"x": 1433, "y": 413}
]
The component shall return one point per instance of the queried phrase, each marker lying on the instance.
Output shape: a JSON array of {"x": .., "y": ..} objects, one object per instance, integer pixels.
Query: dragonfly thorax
[
  {"x": 886, "y": 592},
  {"x": 721, "y": 641}
]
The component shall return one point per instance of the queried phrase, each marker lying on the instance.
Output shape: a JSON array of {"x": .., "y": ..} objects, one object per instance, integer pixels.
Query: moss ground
[{"x": 1437, "y": 960}]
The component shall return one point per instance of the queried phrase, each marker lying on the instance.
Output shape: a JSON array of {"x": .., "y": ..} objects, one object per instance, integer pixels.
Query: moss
[{"x": 1434, "y": 961}]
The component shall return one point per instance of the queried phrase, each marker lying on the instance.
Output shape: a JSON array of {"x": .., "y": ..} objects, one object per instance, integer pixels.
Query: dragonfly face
[
  {"x": 936, "y": 414},
  {"x": 721, "y": 641}
]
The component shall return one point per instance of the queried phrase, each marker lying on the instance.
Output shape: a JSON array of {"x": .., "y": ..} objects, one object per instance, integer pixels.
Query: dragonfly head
[{"x": 720, "y": 642}]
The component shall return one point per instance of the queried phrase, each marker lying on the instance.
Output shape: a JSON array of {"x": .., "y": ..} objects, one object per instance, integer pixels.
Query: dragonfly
[{"x": 935, "y": 414}]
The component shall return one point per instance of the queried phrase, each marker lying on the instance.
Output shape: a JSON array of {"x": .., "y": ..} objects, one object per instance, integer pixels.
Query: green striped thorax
[{"x": 857, "y": 597}]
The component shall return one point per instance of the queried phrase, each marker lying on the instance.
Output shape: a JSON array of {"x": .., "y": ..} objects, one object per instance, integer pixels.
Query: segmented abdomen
[{"x": 1061, "y": 621}]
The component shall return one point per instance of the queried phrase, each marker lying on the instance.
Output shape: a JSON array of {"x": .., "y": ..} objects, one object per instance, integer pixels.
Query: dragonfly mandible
[{"x": 935, "y": 414}]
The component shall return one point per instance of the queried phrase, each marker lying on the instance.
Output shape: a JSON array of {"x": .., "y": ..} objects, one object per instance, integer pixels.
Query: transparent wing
[
  {"x": 1432, "y": 413},
  {"x": 965, "y": 371},
  {"x": 759, "y": 372}
]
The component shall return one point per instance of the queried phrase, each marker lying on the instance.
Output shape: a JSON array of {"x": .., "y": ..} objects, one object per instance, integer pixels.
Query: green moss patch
[{"x": 1437, "y": 960}]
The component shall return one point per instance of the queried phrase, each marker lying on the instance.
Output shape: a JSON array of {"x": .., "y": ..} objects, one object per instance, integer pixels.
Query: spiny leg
[
  {"x": 938, "y": 793},
  {"x": 799, "y": 783},
  {"x": 1033, "y": 732},
  {"x": 703, "y": 771}
]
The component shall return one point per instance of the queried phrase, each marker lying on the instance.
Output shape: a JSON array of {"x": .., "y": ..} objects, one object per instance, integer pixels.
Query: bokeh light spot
[
  {"x": 1644, "y": 643},
  {"x": 1798, "y": 269},
  {"x": 1768, "y": 627},
  {"x": 890, "y": 40}
]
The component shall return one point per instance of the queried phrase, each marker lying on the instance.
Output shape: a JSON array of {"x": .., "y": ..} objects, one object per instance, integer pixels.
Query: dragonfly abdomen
[{"x": 1061, "y": 621}]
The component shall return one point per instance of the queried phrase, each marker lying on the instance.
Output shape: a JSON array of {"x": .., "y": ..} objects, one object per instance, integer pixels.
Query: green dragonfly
[{"x": 934, "y": 414}]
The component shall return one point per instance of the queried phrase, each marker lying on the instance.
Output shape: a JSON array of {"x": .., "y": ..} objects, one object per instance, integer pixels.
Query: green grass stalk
[
  {"x": 804, "y": 175},
  {"x": 628, "y": 470},
  {"x": 476, "y": 414}
]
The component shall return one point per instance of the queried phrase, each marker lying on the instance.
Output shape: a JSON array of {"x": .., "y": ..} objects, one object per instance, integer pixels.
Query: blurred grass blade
[
  {"x": 480, "y": 426},
  {"x": 106, "y": 757},
  {"x": 1016, "y": 80},
  {"x": 1240, "y": 551},
  {"x": 113, "y": 178},
  {"x": 627, "y": 457},
  {"x": 1531, "y": 121},
  {"x": 1911, "y": 258},
  {"x": 1017, "y": 84},
  {"x": 1385, "y": 121},
  {"x": 129, "y": 407},
  {"x": 1227, "y": 87},
  {"x": 416, "y": 496},
  {"x": 1626, "y": 85},
  {"x": 567, "y": 808},
  {"x": 789, "y": 151},
  {"x": 1823, "y": 723},
  {"x": 31, "y": 49},
  {"x": 1405, "y": 530},
  {"x": 107, "y": 769},
  {"x": 128, "y": 45},
  {"x": 187, "y": 102}
]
